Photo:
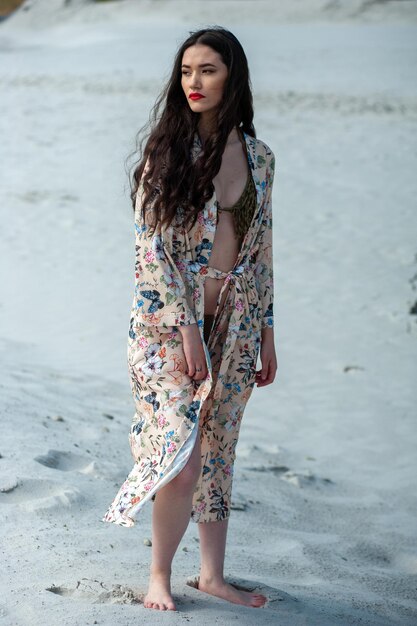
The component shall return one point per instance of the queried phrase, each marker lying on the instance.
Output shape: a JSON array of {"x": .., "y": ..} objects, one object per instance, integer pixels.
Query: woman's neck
[{"x": 205, "y": 129}]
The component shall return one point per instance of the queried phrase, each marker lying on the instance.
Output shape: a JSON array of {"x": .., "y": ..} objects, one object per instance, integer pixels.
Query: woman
[{"x": 203, "y": 307}]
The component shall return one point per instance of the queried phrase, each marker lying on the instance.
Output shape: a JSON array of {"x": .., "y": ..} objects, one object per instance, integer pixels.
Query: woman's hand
[
  {"x": 193, "y": 351},
  {"x": 265, "y": 376}
]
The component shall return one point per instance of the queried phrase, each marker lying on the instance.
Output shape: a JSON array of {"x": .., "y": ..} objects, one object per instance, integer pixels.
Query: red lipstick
[{"x": 196, "y": 96}]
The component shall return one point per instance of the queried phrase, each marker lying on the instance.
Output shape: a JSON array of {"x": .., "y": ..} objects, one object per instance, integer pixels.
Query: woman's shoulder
[{"x": 262, "y": 151}]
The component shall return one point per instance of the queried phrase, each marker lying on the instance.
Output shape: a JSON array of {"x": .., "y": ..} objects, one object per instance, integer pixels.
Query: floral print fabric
[{"x": 171, "y": 409}]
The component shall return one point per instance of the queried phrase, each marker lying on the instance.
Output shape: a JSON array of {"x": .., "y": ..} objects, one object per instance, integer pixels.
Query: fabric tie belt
[{"x": 241, "y": 279}]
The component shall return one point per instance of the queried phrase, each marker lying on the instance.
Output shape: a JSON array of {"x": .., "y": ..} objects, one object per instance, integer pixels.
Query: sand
[{"x": 324, "y": 519}]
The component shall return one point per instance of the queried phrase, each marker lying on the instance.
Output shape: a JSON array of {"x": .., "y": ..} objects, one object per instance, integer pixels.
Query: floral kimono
[{"x": 172, "y": 409}]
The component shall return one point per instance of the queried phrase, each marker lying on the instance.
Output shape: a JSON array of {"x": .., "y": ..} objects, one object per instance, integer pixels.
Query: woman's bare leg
[
  {"x": 170, "y": 517},
  {"x": 212, "y": 552}
]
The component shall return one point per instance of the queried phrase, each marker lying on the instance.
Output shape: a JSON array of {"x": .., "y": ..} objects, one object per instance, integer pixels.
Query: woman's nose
[{"x": 195, "y": 82}]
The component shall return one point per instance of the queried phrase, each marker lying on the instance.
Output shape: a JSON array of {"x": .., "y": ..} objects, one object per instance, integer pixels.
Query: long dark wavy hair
[{"x": 172, "y": 179}]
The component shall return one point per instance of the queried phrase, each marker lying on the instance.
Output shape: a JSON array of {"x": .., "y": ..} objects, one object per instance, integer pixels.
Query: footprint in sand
[
  {"x": 300, "y": 478},
  {"x": 304, "y": 478},
  {"x": 36, "y": 495},
  {"x": 66, "y": 462},
  {"x": 275, "y": 469},
  {"x": 96, "y": 592},
  {"x": 371, "y": 552}
]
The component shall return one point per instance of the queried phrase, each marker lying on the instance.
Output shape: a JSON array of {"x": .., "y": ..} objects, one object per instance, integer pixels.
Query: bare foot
[
  {"x": 228, "y": 591},
  {"x": 159, "y": 593}
]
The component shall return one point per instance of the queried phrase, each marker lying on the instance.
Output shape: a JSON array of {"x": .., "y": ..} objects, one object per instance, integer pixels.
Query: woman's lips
[{"x": 196, "y": 96}]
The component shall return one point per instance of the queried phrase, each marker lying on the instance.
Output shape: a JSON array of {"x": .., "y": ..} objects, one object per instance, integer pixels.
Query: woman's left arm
[{"x": 264, "y": 270}]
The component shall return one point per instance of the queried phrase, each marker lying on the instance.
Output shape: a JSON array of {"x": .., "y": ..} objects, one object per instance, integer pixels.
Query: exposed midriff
[{"x": 228, "y": 241}]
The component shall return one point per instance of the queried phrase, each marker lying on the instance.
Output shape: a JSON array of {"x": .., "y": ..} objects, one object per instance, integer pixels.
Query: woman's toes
[{"x": 259, "y": 600}]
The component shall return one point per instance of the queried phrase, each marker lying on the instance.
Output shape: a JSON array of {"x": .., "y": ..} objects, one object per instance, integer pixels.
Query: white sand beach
[{"x": 325, "y": 498}]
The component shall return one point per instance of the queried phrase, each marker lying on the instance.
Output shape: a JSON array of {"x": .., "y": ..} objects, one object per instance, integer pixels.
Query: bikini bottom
[{"x": 208, "y": 323}]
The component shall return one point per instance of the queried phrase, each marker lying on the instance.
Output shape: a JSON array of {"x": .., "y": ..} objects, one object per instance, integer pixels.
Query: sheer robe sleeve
[
  {"x": 264, "y": 263},
  {"x": 160, "y": 294}
]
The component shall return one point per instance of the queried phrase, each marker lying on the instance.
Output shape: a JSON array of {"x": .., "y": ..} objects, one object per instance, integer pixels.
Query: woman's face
[{"x": 203, "y": 78}]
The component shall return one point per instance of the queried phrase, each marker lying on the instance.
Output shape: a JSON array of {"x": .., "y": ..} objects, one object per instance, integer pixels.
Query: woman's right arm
[{"x": 160, "y": 294}]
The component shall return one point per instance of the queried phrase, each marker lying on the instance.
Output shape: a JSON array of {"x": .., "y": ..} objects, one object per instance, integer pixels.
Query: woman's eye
[{"x": 188, "y": 73}]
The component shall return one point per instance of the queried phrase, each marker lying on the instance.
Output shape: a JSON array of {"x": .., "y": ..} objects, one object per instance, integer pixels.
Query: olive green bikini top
[{"x": 243, "y": 209}]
